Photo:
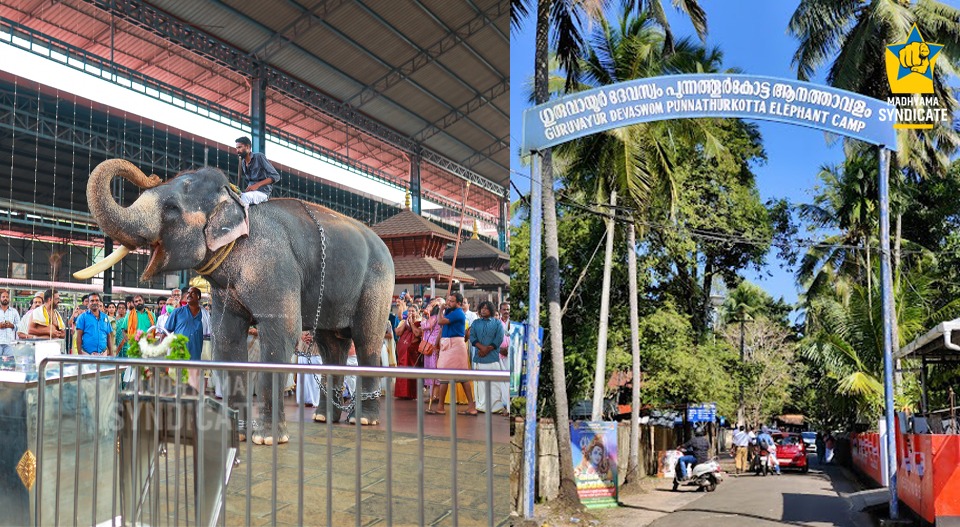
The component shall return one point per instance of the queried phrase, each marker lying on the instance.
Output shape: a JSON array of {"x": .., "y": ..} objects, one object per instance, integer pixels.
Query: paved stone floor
[
  {"x": 472, "y": 498},
  {"x": 275, "y": 482},
  {"x": 273, "y": 490}
]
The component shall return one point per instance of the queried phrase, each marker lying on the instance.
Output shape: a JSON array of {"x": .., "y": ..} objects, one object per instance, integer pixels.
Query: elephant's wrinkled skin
[{"x": 271, "y": 278}]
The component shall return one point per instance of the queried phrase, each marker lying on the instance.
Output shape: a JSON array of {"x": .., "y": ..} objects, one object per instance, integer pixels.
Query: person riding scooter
[
  {"x": 766, "y": 443},
  {"x": 696, "y": 450}
]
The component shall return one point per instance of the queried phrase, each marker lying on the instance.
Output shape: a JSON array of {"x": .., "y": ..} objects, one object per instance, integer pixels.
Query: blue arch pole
[
  {"x": 706, "y": 96},
  {"x": 533, "y": 341},
  {"x": 889, "y": 318}
]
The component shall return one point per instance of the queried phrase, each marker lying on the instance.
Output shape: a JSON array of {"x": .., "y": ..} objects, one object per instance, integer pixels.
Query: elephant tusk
[{"x": 102, "y": 265}]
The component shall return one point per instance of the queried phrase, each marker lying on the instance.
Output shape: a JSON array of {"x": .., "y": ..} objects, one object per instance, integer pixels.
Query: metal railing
[{"x": 121, "y": 452}]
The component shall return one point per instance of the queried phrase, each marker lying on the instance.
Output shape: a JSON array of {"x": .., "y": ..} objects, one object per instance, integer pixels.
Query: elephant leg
[
  {"x": 367, "y": 339},
  {"x": 230, "y": 345},
  {"x": 333, "y": 350},
  {"x": 278, "y": 336}
]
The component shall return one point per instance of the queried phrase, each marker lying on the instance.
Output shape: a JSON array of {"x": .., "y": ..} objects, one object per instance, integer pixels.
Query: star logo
[{"x": 910, "y": 64}]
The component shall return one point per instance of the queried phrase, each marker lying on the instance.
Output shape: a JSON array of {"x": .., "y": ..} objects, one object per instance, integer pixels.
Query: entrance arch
[{"x": 652, "y": 99}]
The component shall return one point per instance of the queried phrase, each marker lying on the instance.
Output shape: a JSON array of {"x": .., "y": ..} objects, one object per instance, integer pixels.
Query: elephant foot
[
  {"x": 268, "y": 440},
  {"x": 321, "y": 418},
  {"x": 364, "y": 421},
  {"x": 242, "y": 437}
]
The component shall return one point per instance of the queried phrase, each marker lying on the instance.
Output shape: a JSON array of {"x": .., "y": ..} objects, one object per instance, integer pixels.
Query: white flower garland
[{"x": 155, "y": 350}]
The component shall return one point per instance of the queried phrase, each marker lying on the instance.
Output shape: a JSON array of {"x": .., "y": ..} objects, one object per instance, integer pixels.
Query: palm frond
[
  {"x": 860, "y": 384},
  {"x": 819, "y": 25}
]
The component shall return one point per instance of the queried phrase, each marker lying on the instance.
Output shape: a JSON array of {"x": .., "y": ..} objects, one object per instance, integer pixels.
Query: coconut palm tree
[
  {"x": 847, "y": 201},
  {"x": 743, "y": 302},
  {"x": 856, "y": 33},
  {"x": 845, "y": 335},
  {"x": 637, "y": 160}
]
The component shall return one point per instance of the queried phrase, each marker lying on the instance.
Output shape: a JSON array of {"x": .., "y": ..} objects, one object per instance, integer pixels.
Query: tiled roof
[
  {"x": 413, "y": 269},
  {"x": 490, "y": 278},
  {"x": 408, "y": 223},
  {"x": 475, "y": 249}
]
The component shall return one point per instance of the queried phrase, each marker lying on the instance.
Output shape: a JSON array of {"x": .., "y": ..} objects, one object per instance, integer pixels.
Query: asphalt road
[{"x": 812, "y": 499}]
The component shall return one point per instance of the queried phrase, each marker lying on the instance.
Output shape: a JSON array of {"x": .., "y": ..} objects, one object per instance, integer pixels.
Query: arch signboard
[
  {"x": 706, "y": 96},
  {"x": 709, "y": 95}
]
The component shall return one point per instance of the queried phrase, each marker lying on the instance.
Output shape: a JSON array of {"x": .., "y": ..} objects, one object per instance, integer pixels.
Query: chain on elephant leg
[
  {"x": 337, "y": 404},
  {"x": 369, "y": 402}
]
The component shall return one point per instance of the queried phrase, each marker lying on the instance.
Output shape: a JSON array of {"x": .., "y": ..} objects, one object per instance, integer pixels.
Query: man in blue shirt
[
  {"x": 486, "y": 335},
  {"x": 94, "y": 332},
  {"x": 259, "y": 173},
  {"x": 188, "y": 321},
  {"x": 453, "y": 350}
]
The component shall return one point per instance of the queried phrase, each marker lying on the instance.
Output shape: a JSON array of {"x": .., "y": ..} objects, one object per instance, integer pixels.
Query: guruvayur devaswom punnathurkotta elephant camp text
[{"x": 286, "y": 266}]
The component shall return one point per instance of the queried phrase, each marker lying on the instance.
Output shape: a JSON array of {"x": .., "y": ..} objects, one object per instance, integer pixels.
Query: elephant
[{"x": 287, "y": 266}]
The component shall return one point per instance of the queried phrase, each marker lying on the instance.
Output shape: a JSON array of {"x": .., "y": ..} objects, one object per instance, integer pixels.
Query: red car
[{"x": 791, "y": 450}]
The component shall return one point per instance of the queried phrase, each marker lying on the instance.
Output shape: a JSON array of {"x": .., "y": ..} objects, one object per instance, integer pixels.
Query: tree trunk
[
  {"x": 600, "y": 378},
  {"x": 551, "y": 274},
  {"x": 633, "y": 465}
]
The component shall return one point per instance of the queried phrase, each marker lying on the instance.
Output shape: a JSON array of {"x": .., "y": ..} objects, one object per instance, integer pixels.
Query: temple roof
[
  {"x": 491, "y": 278},
  {"x": 420, "y": 270},
  {"x": 408, "y": 223},
  {"x": 475, "y": 248}
]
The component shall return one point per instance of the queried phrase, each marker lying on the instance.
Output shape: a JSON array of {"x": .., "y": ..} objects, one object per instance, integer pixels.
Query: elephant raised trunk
[{"x": 135, "y": 226}]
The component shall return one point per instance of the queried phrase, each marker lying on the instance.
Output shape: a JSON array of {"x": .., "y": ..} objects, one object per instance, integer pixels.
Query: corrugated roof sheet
[{"x": 330, "y": 51}]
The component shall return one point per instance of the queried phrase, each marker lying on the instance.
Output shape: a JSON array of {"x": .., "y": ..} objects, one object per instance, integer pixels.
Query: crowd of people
[
  {"x": 94, "y": 327},
  {"x": 421, "y": 333},
  {"x": 447, "y": 334}
]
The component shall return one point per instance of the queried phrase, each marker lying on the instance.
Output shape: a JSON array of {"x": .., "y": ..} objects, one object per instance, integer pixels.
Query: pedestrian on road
[
  {"x": 828, "y": 444},
  {"x": 820, "y": 447},
  {"x": 741, "y": 442}
]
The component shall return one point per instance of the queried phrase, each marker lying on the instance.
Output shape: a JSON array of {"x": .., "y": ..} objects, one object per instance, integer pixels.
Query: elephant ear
[{"x": 227, "y": 222}]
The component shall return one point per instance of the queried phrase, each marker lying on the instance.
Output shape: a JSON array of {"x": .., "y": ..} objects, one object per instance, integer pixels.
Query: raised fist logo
[{"x": 915, "y": 56}]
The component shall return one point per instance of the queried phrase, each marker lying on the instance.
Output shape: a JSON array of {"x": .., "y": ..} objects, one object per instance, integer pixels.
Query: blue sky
[{"x": 753, "y": 36}]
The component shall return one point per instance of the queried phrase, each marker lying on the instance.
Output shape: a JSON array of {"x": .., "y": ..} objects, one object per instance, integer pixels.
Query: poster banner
[
  {"x": 518, "y": 358},
  {"x": 594, "y": 446}
]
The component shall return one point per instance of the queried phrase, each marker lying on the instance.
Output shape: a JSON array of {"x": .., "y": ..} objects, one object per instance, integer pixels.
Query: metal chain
[
  {"x": 338, "y": 400},
  {"x": 323, "y": 263}
]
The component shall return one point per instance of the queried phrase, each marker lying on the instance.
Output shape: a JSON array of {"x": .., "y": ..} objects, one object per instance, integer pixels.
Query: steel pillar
[
  {"x": 533, "y": 326},
  {"x": 415, "y": 189},
  {"x": 889, "y": 319}
]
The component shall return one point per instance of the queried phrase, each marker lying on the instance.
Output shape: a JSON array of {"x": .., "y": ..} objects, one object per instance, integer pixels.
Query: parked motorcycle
[{"x": 705, "y": 476}]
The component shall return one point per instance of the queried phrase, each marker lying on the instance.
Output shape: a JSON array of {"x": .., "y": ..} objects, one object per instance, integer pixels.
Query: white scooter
[{"x": 704, "y": 476}]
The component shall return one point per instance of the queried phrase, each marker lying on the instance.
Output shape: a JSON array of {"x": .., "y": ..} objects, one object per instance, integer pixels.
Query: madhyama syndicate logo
[{"x": 910, "y": 71}]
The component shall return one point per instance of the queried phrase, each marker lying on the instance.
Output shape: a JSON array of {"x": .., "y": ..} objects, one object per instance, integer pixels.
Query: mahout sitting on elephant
[{"x": 290, "y": 266}]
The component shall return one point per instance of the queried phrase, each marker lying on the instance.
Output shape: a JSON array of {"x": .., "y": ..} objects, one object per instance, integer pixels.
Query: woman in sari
[
  {"x": 407, "y": 354},
  {"x": 431, "y": 332}
]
